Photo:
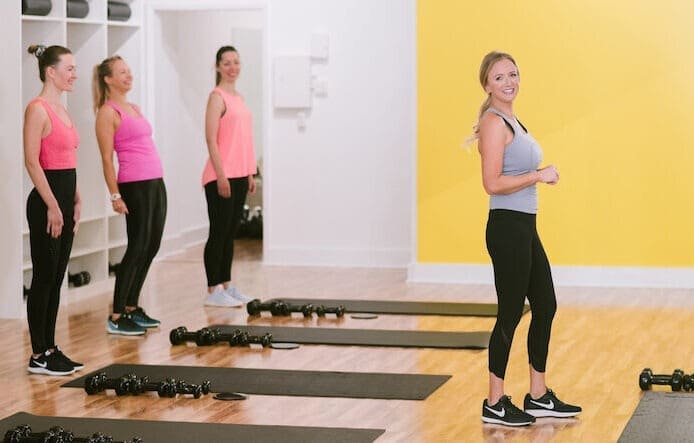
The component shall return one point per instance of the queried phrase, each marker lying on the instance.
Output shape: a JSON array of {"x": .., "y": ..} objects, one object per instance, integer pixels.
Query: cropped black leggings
[
  {"x": 49, "y": 257},
  {"x": 521, "y": 270},
  {"x": 146, "y": 202},
  {"x": 225, "y": 217}
]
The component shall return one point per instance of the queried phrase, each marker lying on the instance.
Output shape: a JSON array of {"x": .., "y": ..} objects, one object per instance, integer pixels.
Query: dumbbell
[
  {"x": 239, "y": 338},
  {"x": 287, "y": 309},
  {"x": 79, "y": 279},
  {"x": 25, "y": 293},
  {"x": 203, "y": 337},
  {"x": 322, "y": 310},
  {"x": 688, "y": 383},
  {"x": 23, "y": 434},
  {"x": 113, "y": 268},
  {"x": 255, "y": 307},
  {"x": 99, "y": 382},
  {"x": 675, "y": 381},
  {"x": 196, "y": 390}
]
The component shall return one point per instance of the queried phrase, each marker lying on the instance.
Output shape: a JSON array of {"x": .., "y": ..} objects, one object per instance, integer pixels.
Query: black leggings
[
  {"x": 225, "y": 218},
  {"x": 521, "y": 270},
  {"x": 49, "y": 257},
  {"x": 146, "y": 202}
]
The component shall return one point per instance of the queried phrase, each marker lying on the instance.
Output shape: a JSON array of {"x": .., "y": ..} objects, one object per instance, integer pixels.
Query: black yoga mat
[
  {"x": 186, "y": 432},
  {"x": 286, "y": 382},
  {"x": 368, "y": 337},
  {"x": 404, "y": 307},
  {"x": 118, "y": 11},
  {"x": 36, "y": 7},
  {"x": 662, "y": 417},
  {"x": 77, "y": 8}
]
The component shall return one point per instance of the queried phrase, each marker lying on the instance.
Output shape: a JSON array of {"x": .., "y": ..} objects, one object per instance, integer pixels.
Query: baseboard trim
[{"x": 588, "y": 276}]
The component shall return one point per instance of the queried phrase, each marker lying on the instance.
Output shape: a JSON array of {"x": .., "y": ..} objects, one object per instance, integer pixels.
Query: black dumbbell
[
  {"x": 647, "y": 378},
  {"x": 203, "y": 337},
  {"x": 99, "y": 382},
  {"x": 113, "y": 268},
  {"x": 255, "y": 307},
  {"x": 196, "y": 390},
  {"x": 265, "y": 340},
  {"x": 25, "y": 294},
  {"x": 141, "y": 385},
  {"x": 79, "y": 279},
  {"x": 688, "y": 383},
  {"x": 23, "y": 434},
  {"x": 322, "y": 310}
]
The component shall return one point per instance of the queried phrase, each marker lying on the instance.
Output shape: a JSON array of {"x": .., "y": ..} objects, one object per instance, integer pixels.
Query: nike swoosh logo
[
  {"x": 495, "y": 412},
  {"x": 38, "y": 363},
  {"x": 549, "y": 405}
]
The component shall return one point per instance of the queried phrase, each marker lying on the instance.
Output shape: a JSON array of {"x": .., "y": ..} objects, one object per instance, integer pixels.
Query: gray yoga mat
[
  {"x": 287, "y": 382},
  {"x": 368, "y": 337},
  {"x": 186, "y": 432},
  {"x": 661, "y": 417},
  {"x": 404, "y": 307},
  {"x": 36, "y": 7}
]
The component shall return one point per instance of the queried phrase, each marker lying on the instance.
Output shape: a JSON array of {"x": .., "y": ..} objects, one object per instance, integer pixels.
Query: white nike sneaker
[{"x": 221, "y": 298}]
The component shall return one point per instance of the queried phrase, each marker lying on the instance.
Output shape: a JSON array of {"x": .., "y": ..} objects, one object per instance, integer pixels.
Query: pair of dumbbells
[
  {"x": 56, "y": 434},
  {"x": 132, "y": 384},
  {"x": 283, "y": 309},
  {"x": 677, "y": 381},
  {"x": 210, "y": 336}
]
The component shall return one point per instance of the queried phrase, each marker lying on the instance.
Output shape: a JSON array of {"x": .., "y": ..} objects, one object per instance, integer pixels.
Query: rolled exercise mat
[
  {"x": 287, "y": 382},
  {"x": 36, "y": 7},
  {"x": 661, "y": 416},
  {"x": 404, "y": 307},
  {"x": 186, "y": 432},
  {"x": 119, "y": 11},
  {"x": 367, "y": 337},
  {"x": 77, "y": 8}
]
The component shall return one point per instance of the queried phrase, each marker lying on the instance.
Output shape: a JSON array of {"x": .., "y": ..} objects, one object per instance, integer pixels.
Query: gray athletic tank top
[{"x": 521, "y": 156}]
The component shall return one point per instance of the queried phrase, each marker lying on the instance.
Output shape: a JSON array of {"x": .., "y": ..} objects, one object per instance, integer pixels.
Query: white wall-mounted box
[{"x": 292, "y": 82}]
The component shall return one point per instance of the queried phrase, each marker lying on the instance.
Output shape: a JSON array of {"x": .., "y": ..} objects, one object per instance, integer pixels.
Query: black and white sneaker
[
  {"x": 140, "y": 317},
  {"x": 59, "y": 353},
  {"x": 50, "y": 364},
  {"x": 505, "y": 413},
  {"x": 549, "y": 406},
  {"x": 124, "y": 326}
]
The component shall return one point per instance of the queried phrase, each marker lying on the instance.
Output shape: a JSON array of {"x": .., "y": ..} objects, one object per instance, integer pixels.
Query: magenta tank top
[
  {"x": 137, "y": 157},
  {"x": 59, "y": 147}
]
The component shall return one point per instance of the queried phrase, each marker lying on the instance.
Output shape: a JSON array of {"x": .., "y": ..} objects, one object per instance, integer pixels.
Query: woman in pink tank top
[
  {"x": 227, "y": 177},
  {"x": 53, "y": 206},
  {"x": 138, "y": 191}
]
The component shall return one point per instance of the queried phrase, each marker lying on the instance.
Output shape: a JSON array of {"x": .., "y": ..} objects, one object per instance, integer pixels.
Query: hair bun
[{"x": 37, "y": 50}]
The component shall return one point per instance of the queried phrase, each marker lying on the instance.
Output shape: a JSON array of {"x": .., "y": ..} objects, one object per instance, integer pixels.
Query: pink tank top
[
  {"x": 137, "y": 157},
  {"x": 59, "y": 147},
  {"x": 234, "y": 139}
]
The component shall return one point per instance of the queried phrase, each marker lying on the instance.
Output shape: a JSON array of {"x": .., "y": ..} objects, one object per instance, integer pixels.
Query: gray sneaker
[
  {"x": 237, "y": 295},
  {"x": 124, "y": 326},
  {"x": 221, "y": 298}
]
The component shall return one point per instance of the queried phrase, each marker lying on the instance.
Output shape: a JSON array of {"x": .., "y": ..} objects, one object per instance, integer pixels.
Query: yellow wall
[{"x": 607, "y": 88}]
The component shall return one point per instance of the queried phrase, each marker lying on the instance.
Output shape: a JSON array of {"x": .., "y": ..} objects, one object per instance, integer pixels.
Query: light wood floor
[{"x": 601, "y": 340}]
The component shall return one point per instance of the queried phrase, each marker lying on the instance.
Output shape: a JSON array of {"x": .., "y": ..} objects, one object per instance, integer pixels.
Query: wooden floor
[{"x": 601, "y": 340}]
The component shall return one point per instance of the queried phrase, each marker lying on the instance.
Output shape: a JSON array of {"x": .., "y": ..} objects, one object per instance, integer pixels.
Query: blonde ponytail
[{"x": 99, "y": 87}]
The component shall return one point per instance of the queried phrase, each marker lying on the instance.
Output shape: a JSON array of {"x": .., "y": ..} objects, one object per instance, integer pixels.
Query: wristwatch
[{"x": 115, "y": 197}]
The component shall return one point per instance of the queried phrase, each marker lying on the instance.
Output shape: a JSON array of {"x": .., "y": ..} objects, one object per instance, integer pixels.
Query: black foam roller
[
  {"x": 77, "y": 8},
  {"x": 36, "y": 7},
  {"x": 118, "y": 11}
]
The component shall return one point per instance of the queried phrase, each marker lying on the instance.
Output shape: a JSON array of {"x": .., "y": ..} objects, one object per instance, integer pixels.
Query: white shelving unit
[{"x": 101, "y": 237}]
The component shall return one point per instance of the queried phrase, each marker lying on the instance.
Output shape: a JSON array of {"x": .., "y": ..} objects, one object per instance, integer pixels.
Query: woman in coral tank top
[
  {"x": 53, "y": 206},
  {"x": 227, "y": 177}
]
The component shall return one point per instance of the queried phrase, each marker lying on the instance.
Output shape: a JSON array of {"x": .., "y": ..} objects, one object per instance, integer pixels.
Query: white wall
[{"x": 341, "y": 191}]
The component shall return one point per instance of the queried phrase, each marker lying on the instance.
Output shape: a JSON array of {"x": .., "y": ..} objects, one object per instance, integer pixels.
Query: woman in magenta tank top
[
  {"x": 137, "y": 191},
  {"x": 227, "y": 177},
  {"x": 53, "y": 206}
]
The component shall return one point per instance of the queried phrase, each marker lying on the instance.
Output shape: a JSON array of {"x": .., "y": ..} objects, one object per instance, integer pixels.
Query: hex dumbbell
[{"x": 675, "y": 381}]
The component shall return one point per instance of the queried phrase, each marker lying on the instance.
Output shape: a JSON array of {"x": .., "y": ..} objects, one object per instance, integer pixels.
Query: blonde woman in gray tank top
[{"x": 510, "y": 161}]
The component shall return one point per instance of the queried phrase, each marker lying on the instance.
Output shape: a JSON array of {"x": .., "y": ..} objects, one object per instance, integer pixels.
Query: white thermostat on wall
[{"x": 292, "y": 82}]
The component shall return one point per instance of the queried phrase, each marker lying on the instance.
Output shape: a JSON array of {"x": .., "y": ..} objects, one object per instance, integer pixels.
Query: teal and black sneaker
[
  {"x": 124, "y": 326},
  {"x": 140, "y": 317}
]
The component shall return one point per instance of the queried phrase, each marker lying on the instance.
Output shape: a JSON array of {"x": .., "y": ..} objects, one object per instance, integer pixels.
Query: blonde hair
[
  {"x": 487, "y": 62},
  {"x": 100, "y": 89}
]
